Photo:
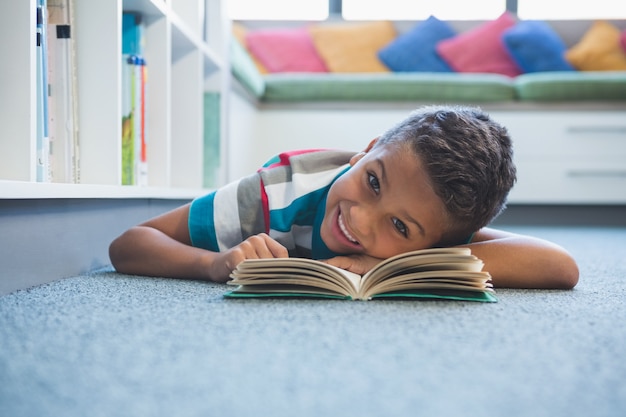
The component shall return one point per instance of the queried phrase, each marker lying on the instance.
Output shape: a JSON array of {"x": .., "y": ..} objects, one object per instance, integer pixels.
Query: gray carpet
[{"x": 107, "y": 344}]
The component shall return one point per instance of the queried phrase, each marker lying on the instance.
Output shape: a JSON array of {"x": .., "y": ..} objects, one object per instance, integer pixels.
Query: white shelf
[
  {"x": 27, "y": 190},
  {"x": 185, "y": 48}
]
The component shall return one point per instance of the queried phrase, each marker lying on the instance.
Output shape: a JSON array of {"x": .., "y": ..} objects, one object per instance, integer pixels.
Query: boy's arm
[
  {"x": 162, "y": 247},
  {"x": 518, "y": 261},
  {"x": 514, "y": 261}
]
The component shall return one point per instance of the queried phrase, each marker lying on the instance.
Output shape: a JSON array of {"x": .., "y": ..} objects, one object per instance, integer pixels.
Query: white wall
[
  {"x": 563, "y": 157},
  {"x": 242, "y": 137},
  {"x": 255, "y": 135}
]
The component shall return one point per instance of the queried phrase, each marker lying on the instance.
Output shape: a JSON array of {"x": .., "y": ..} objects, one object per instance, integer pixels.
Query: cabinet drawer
[
  {"x": 573, "y": 181},
  {"x": 575, "y": 134}
]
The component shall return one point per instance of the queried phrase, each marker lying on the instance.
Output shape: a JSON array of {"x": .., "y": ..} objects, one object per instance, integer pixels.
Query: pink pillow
[
  {"x": 481, "y": 49},
  {"x": 285, "y": 50},
  {"x": 623, "y": 39}
]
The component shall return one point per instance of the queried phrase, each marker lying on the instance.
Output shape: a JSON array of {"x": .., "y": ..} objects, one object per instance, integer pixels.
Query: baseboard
[
  {"x": 48, "y": 239},
  {"x": 563, "y": 215}
]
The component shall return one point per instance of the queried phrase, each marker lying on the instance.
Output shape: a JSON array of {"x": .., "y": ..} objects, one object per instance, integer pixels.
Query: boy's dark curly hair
[{"x": 469, "y": 158}]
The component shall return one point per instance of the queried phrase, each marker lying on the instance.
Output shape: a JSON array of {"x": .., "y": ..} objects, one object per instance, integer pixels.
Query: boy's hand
[
  {"x": 255, "y": 247},
  {"x": 359, "y": 264}
]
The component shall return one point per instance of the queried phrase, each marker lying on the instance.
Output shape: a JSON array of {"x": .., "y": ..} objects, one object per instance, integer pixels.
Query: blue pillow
[
  {"x": 415, "y": 50},
  {"x": 536, "y": 47}
]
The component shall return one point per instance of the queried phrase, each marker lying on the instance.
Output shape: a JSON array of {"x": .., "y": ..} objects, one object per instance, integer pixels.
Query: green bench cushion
[
  {"x": 440, "y": 87},
  {"x": 572, "y": 86}
]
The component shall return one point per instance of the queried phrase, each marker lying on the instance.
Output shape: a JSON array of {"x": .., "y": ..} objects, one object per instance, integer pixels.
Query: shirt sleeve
[{"x": 227, "y": 216}]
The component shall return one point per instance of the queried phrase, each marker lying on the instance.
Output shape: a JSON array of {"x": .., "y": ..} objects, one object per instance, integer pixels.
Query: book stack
[
  {"x": 58, "y": 145},
  {"x": 134, "y": 79}
]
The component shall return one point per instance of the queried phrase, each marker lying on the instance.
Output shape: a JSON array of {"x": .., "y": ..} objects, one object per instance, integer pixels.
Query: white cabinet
[
  {"x": 563, "y": 156},
  {"x": 185, "y": 50},
  {"x": 569, "y": 157}
]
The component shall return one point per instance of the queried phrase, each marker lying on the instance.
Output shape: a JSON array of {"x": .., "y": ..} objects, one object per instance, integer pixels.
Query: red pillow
[
  {"x": 285, "y": 50},
  {"x": 481, "y": 49}
]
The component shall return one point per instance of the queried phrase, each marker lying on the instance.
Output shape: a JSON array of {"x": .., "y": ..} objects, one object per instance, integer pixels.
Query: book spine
[
  {"x": 63, "y": 114},
  {"x": 211, "y": 149},
  {"x": 142, "y": 154},
  {"x": 134, "y": 82},
  {"x": 55, "y": 163},
  {"x": 75, "y": 137},
  {"x": 128, "y": 120},
  {"x": 61, "y": 117},
  {"x": 42, "y": 162}
]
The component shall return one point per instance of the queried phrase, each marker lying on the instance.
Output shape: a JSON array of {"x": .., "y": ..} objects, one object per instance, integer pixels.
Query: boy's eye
[
  {"x": 400, "y": 227},
  {"x": 373, "y": 182}
]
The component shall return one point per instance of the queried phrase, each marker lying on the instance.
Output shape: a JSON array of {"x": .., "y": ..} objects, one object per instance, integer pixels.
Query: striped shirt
[{"x": 286, "y": 199}]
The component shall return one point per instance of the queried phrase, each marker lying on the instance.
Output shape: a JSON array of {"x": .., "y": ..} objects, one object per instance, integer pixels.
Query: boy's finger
[
  {"x": 276, "y": 249},
  {"x": 358, "y": 264},
  {"x": 343, "y": 262}
]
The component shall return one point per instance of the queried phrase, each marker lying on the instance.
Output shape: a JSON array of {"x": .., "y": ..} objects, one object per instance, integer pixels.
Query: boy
[{"x": 437, "y": 178}]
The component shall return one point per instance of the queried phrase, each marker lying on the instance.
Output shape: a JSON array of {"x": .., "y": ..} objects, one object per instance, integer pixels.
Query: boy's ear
[
  {"x": 356, "y": 158},
  {"x": 371, "y": 145}
]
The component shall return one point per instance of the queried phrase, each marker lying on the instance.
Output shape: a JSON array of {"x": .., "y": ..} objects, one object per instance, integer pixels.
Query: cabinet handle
[
  {"x": 604, "y": 130},
  {"x": 596, "y": 173}
]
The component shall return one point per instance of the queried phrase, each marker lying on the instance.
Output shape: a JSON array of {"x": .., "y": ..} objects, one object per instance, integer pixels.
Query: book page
[
  {"x": 459, "y": 280},
  {"x": 293, "y": 271},
  {"x": 445, "y": 279},
  {"x": 426, "y": 259}
]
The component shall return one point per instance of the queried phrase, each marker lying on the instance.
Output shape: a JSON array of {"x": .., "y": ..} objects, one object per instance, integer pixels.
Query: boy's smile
[
  {"x": 342, "y": 233},
  {"x": 384, "y": 205},
  {"x": 344, "y": 230}
]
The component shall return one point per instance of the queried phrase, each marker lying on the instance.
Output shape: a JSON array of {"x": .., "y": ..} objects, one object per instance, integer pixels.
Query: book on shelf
[
  {"x": 134, "y": 149},
  {"x": 211, "y": 148},
  {"x": 43, "y": 172},
  {"x": 141, "y": 148},
  {"x": 438, "y": 273},
  {"x": 134, "y": 81},
  {"x": 64, "y": 151}
]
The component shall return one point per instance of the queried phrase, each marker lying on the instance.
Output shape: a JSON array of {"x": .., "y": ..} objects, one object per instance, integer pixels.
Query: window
[
  {"x": 422, "y": 9},
  {"x": 278, "y": 9},
  {"x": 567, "y": 9}
]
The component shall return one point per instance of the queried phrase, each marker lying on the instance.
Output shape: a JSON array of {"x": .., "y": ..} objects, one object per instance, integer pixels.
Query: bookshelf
[{"x": 185, "y": 51}]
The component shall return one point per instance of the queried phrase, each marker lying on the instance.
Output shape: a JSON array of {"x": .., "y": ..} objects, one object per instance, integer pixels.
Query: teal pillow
[
  {"x": 415, "y": 50},
  {"x": 536, "y": 47}
]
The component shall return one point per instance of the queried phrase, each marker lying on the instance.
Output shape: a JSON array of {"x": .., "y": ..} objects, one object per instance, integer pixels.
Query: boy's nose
[{"x": 363, "y": 219}]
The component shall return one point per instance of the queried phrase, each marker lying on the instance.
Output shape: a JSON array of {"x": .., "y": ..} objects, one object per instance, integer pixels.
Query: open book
[{"x": 448, "y": 273}]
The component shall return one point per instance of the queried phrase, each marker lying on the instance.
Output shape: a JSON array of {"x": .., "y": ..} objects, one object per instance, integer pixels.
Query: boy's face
[{"x": 384, "y": 205}]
